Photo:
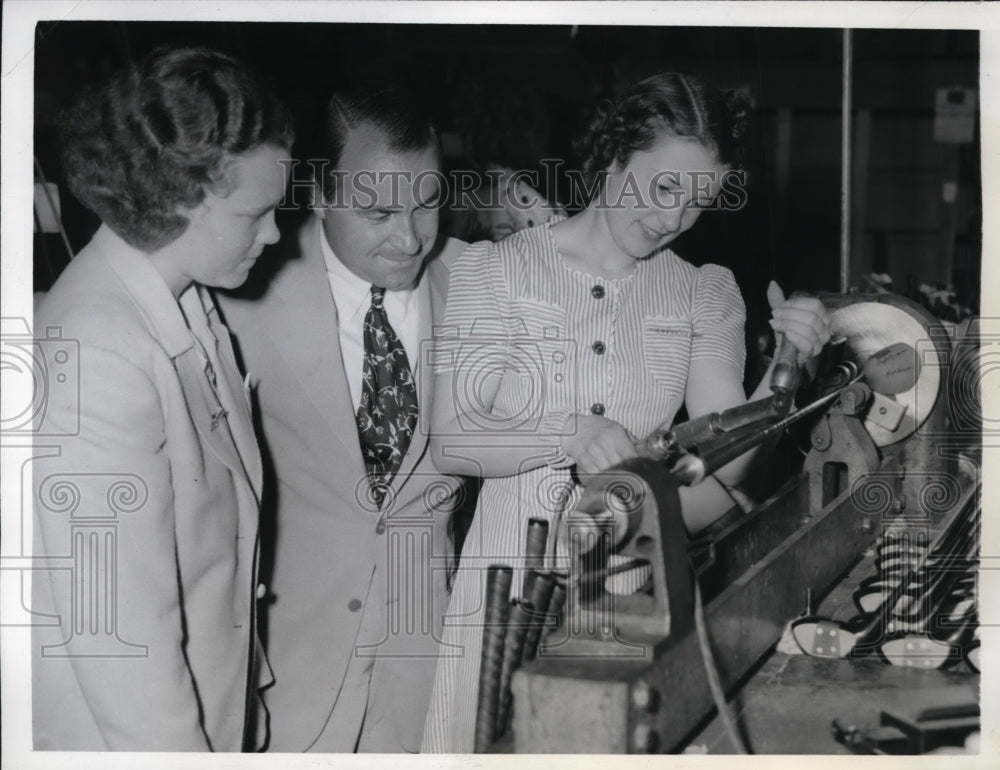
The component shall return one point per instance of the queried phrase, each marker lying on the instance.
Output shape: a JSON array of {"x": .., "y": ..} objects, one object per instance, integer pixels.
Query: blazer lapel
[
  {"x": 240, "y": 424},
  {"x": 206, "y": 411},
  {"x": 171, "y": 322},
  {"x": 227, "y": 391},
  {"x": 305, "y": 333}
]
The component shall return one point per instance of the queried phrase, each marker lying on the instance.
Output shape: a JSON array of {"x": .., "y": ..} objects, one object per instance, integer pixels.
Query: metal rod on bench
[
  {"x": 535, "y": 545},
  {"x": 498, "y": 581},
  {"x": 517, "y": 628},
  {"x": 556, "y": 603},
  {"x": 542, "y": 586}
]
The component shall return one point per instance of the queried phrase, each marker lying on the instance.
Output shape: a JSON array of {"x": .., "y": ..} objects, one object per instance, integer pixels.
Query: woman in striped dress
[{"x": 566, "y": 342}]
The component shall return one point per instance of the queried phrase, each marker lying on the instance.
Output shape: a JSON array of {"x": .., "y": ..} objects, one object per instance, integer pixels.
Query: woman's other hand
[
  {"x": 598, "y": 443},
  {"x": 802, "y": 319}
]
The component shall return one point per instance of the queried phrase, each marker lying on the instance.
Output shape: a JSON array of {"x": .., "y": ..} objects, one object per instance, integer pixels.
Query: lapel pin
[{"x": 218, "y": 417}]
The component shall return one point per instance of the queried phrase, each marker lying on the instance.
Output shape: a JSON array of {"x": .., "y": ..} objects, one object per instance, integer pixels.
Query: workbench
[{"x": 788, "y": 704}]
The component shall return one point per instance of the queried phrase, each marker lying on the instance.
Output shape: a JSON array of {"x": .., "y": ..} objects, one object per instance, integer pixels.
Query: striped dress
[{"x": 565, "y": 342}]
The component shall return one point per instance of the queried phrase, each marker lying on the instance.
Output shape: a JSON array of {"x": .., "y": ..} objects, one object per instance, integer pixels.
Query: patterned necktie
[{"x": 387, "y": 415}]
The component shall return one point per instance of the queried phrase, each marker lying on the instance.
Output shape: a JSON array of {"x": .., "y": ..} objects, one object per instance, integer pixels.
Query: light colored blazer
[
  {"x": 353, "y": 591},
  {"x": 146, "y": 509}
]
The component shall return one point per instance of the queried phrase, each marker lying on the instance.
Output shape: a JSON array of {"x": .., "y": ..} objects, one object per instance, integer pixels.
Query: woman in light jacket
[{"x": 146, "y": 508}]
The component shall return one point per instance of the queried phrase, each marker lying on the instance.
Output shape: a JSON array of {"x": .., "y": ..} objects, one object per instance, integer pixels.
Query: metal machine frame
[{"x": 627, "y": 676}]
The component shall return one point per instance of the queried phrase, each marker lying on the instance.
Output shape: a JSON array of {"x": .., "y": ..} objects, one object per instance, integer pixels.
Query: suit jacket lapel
[
  {"x": 167, "y": 322},
  {"x": 234, "y": 428},
  {"x": 240, "y": 424},
  {"x": 206, "y": 410},
  {"x": 305, "y": 333}
]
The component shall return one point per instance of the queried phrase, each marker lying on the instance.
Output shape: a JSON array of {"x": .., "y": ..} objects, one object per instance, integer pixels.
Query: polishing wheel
[{"x": 900, "y": 362}]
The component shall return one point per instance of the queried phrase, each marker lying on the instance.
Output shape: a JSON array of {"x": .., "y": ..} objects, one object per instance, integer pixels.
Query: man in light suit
[{"x": 357, "y": 586}]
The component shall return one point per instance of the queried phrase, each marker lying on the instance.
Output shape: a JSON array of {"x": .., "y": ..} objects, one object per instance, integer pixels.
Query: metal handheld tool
[
  {"x": 700, "y": 447},
  {"x": 752, "y": 416},
  {"x": 689, "y": 467},
  {"x": 785, "y": 375}
]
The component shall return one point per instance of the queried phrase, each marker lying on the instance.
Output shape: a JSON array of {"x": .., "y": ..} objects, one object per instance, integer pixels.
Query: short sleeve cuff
[
  {"x": 719, "y": 318},
  {"x": 551, "y": 429}
]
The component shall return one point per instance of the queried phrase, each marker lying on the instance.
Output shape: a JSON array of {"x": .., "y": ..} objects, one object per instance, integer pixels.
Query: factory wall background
[{"x": 516, "y": 95}]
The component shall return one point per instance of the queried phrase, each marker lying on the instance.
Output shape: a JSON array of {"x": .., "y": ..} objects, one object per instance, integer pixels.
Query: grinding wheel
[{"x": 871, "y": 327}]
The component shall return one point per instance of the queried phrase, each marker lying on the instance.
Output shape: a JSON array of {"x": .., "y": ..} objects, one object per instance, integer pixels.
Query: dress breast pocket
[{"x": 666, "y": 349}]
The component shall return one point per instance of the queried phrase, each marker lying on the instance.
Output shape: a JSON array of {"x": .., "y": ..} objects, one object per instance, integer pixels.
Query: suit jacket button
[
  {"x": 354, "y": 605},
  {"x": 261, "y": 590},
  {"x": 380, "y": 527}
]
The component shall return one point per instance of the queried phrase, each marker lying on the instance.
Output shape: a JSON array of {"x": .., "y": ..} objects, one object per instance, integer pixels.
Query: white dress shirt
[{"x": 352, "y": 297}]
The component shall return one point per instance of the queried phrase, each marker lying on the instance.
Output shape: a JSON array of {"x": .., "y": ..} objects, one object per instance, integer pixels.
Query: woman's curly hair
[
  {"x": 672, "y": 102},
  {"x": 148, "y": 142}
]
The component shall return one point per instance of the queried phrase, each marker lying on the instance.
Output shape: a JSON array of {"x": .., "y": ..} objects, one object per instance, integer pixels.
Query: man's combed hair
[
  {"x": 669, "y": 103},
  {"x": 151, "y": 140},
  {"x": 394, "y": 110}
]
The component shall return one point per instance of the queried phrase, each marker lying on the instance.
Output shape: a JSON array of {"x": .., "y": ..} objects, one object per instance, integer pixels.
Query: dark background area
[{"x": 517, "y": 94}]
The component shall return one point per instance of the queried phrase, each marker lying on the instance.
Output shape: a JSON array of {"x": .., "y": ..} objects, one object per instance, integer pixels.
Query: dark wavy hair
[
  {"x": 149, "y": 141},
  {"x": 396, "y": 111},
  {"x": 671, "y": 102}
]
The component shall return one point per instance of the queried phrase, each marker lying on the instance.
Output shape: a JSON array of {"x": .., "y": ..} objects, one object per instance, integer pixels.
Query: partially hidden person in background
[
  {"x": 334, "y": 343},
  {"x": 146, "y": 508},
  {"x": 566, "y": 343}
]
